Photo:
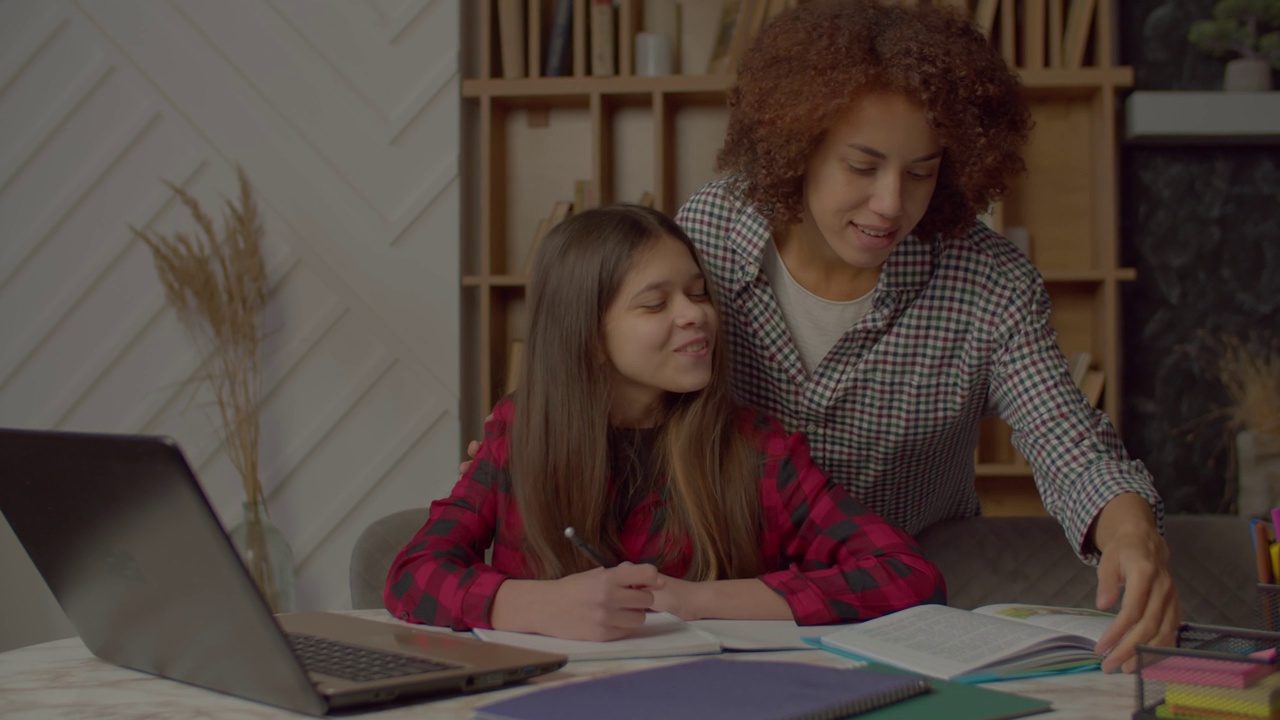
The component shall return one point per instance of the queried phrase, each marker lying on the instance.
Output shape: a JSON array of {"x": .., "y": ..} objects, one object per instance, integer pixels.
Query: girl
[{"x": 622, "y": 427}]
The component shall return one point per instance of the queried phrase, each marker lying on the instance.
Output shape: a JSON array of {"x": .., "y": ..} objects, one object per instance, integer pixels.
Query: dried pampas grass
[
  {"x": 216, "y": 282},
  {"x": 1250, "y": 374}
]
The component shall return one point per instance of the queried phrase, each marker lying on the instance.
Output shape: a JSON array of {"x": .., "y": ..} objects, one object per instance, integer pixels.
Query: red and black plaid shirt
[{"x": 831, "y": 558}]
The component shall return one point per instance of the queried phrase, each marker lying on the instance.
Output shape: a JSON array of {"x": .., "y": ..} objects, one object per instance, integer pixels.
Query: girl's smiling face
[{"x": 659, "y": 331}]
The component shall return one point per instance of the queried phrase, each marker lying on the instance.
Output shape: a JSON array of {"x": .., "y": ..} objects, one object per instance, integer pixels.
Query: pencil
[
  {"x": 1262, "y": 552},
  {"x": 596, "y": 556}
]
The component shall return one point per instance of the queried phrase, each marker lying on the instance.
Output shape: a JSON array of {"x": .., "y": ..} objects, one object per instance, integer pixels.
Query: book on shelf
[
  {"x": 699, "y": 26},
  {"x": 559, "y": 40},
  {"x": 1076, "y": 37},
  {"x": 1092, "y": 385},
  {"x": 732, "y": 13},
  {"x": 1009, "y": 30},
  {"x": 665, "y": 635},
  {"x": 777, "y": 6},
  {"x": 1078, "y": 365},
  {"x": 1053, "y": 28},
  {"x": 756, "y": 12},
  {"x": 715, "y": 687},
  {"x": 993, "y": 642},
  {"x": 1033, "y": 23},
  {"x": 559, "y": 211},
  {"x": 585, "y": 195},
  {"x": 604, "y": 39},
  {"x": 984, "y": 16},
  {"x": 511, "y": 35}
]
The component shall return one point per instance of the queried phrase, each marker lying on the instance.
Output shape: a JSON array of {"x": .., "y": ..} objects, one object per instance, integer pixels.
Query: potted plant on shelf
[
  {"x": 1249, "y": 29},
  {"x": 217, "y": 285}
]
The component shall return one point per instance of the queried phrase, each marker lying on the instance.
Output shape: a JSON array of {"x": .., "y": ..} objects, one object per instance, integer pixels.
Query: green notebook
[
  {"x": 957, "y": 701},
  {"x": 951, "y": 700}
]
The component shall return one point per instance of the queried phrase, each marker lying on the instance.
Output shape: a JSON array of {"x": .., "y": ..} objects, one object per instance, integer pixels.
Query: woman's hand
[
  {"x": 1135, "y": 558},
  {"x": 473, "y": 449},
  {"x": 599, "y": 604}
]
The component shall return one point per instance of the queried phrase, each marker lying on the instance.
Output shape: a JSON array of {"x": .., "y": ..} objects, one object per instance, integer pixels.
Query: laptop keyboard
[{"x": 357, "y": 664}]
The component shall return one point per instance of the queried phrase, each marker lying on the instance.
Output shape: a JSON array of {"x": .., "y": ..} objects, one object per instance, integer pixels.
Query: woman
[
  {"x": 865, "y": 305},
  {"x": 623, "y": 429}
]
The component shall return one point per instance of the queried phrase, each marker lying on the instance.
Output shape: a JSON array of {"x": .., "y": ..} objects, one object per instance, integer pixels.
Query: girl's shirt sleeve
[
  {"x": 440, "y": 577},
  {"x": 833, "y": 559}
]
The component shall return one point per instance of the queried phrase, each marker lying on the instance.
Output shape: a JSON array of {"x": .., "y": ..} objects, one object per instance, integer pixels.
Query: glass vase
[
  {"x": 1257, "y": 473},
  {"x": 266, "y": 555}
]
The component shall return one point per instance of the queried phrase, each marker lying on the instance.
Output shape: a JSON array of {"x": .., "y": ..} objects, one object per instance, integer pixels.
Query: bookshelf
[{"x": 532, "y": 138}]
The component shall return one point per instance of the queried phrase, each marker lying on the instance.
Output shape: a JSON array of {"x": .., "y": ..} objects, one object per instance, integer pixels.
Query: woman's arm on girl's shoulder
[
  {"x": 835, "y": 560},
  {"x": 439, "y": 577}
]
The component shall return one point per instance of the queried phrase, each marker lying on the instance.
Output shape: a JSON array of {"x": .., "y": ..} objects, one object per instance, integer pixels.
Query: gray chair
[
  {"x": 984, "y": 559},
  {"x": 1028, "y": 559},
  {"x": 374, "y": 550}
]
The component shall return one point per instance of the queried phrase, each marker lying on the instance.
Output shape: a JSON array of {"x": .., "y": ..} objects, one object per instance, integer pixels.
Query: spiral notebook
[{"x": 714, "y": 687}]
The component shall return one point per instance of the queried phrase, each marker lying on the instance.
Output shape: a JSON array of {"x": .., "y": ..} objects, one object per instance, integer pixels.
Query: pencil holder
[
  {"x": 1269, "y": 607},
  {"x": 1214, "y": 672}
]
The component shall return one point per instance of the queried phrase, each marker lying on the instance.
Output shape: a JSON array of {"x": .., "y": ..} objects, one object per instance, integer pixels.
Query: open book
[
  {"x": 665, "y": 635},
  {"x": 993, "y": 642}
]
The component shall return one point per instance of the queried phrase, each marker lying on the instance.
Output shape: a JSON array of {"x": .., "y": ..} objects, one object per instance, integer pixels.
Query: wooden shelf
[
  {"x": 1183, "y": 117},
  {"x": 1078, "y": 82},
  {"x": 516, "y": 281},
  {"x": 533, "y": 138}
]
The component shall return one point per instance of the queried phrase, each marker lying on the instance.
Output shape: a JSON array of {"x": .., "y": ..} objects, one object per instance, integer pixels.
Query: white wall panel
[{"x": 345, "y": 116}]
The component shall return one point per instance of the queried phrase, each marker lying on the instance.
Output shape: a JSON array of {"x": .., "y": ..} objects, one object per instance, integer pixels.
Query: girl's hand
[
  {"x": 681, "y": 598},
  {"x": 600, "y": 604}
]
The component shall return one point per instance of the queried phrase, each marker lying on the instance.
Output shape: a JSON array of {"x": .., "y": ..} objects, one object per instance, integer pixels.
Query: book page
[
  {"x": 948, "y": 642},
  {"x": 745, "y": 635},
  {"x": 663, "y": 635},
  {"x": 1077, "y": 621}
]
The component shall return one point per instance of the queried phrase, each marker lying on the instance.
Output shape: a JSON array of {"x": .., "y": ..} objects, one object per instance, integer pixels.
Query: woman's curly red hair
[{"x": 809, "y": 65}]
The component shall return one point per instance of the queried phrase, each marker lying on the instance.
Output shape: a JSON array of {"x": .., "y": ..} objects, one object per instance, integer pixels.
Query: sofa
[{"x": 984, "y": 559}]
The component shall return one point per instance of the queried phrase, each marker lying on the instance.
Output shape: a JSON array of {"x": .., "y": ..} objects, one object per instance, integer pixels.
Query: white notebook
[{"x": 665, "y": 635}]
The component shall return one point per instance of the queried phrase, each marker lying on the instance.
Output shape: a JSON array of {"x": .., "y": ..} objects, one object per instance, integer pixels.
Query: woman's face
[
  {"x": 659, "y": 332},
  {"x": 870, "y": 181}
]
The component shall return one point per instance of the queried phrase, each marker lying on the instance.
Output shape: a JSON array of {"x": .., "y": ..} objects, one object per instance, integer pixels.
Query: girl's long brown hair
[{"x": 559, "y": 446}]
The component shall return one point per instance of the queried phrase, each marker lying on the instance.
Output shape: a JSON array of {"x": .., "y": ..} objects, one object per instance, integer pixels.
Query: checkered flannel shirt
[
  {"x": 959, "y": 330},
  {"x": 828, "y": 556}
]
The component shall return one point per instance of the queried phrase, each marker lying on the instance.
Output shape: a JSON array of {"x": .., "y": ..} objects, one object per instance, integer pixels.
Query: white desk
[{"x": 61, "y": 679}]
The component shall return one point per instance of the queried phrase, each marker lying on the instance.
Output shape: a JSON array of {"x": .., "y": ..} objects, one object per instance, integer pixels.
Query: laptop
[{"x": 121, "y": 531}]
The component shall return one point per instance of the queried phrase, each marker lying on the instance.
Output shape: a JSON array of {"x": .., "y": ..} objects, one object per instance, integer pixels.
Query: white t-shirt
[{"x": 816, "y": 324}]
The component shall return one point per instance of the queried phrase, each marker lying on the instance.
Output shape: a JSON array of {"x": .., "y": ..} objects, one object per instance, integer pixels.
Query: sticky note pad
[{"x": 1211, "y": 671}]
